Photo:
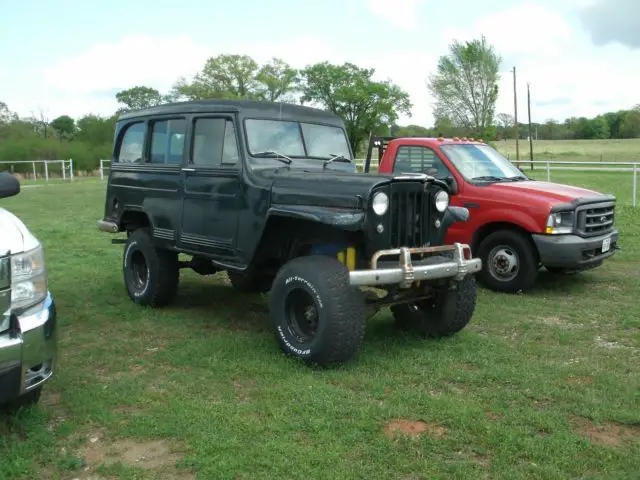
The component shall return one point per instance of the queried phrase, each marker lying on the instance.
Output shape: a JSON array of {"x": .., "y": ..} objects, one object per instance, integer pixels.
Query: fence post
[
  {"x": 64, "y": 169},
  {"x": 46, "y": 170},
  {"x": 101, "y": 170},
  {"x": 548, "y": 171},
  {"x": 71, "y": 168},
  {"x": 33, "y": 164},
  {"x": 635, "y": 184}
]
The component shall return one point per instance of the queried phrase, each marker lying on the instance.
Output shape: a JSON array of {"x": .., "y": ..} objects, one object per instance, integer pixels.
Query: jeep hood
[
  {"x": 328, "y": 188},
  {"x": 552, "y": 193},
  {"x": 14, "y": 235}
]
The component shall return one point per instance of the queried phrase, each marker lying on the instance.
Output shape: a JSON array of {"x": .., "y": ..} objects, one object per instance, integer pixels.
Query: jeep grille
[
  {"x": 596, "y": 219},
  {"x": 409, "y": 214}
]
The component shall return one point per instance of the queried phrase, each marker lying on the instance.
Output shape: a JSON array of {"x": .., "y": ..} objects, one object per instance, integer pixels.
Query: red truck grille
[{"x": 596, "y": 219}]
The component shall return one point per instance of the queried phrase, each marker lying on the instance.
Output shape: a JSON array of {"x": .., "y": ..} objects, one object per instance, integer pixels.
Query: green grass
[
  {"x": 610, "y": 150},
  {"x": 542, "y": 385}
]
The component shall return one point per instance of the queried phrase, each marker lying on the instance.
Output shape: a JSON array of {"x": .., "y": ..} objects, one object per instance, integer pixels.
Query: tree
[
  {"x": 140, "y": 97},
  {"x": 276, "y": 80},
  {"x": 349, "y": 91},
  {"x": 506, "y": 121},
  {"x": 6, "y": 115},
  {"x": 240, "y": 76},
  {"x": 95, "y": 129},
  {"x": 224, "y": 76},
  {"x": 630, "y": 123},
  {"x": 64, "y": 126},
  {"x": 465, "y": 85}
]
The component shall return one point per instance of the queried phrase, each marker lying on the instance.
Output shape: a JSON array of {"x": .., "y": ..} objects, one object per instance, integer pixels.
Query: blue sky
[{"x": 581, "y": 57}]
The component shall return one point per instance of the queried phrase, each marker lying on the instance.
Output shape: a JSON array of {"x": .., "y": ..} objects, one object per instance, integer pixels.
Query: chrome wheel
[{"x": 504, "y": 263}]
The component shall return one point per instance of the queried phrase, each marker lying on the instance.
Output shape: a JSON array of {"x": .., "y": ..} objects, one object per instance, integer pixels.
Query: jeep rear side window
[
  {"x": 419, "y": 159},
  {"x": 214, "y": 142},
  {"x": 132, "y": 144},
  {"x": 167, "y": 141}
]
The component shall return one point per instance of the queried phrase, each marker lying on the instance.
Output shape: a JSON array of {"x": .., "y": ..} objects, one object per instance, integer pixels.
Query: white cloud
[
  {"x": 133, "y": 60},
  {"x": 399, "y": 13},
  {"x": 568, "y": 75},
  {"x": 159, "y": 61},
  {"x": 522, "y": 29}
]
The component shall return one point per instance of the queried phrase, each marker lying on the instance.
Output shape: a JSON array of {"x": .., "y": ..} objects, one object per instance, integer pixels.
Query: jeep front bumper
[{"x": 406, "y": 271}]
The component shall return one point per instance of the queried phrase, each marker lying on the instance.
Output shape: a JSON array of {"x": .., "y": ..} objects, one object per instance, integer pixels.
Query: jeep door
[{"x": 211, "y": 187}]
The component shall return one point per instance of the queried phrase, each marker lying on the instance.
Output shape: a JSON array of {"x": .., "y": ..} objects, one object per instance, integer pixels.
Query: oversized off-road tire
[
  {"x": 26, "y": 400},
  {"x": 509, "y": 262},
  {"x": 151, "y": 274},
  {"x": 318, "y": 317},
  {"x": 446, "y": 314},
  {"x": 252, "y": 282}
]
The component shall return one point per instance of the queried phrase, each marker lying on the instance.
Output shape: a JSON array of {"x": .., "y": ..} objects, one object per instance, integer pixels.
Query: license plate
[{"x": 606, "y": 245}]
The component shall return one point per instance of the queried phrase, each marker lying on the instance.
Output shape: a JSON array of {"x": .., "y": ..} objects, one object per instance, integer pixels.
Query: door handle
[{"x": 188, "y": 169}]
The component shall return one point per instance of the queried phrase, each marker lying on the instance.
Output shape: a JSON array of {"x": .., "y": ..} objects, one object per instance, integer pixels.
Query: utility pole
[
  {"x": 515, "y": 111},
  {"x": 530, "y": 132}
]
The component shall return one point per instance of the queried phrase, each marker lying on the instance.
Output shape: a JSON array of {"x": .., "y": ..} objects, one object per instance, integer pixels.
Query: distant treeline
[
  {"x": 619, "y": 125},
  {"x": 88, "y": 139},
  {"x": 85, "y": 140}
]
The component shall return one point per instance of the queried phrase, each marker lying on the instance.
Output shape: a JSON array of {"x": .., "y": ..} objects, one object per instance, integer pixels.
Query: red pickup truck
[{"x": 516, "y": 224}]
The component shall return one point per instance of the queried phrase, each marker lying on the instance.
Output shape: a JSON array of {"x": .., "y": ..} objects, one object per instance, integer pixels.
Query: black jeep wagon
[{"x": 269, "y": 193}]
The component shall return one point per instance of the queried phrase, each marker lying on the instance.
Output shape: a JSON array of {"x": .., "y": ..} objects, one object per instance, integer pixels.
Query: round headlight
[
  {"x": 380, "y": 203},
  {"x": 442, "y": 201}
]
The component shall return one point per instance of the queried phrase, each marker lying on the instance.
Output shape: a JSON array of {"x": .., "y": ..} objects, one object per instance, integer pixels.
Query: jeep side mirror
[
  {"x": 453, "y": 185},
  {"x": 9, "y": 185}
]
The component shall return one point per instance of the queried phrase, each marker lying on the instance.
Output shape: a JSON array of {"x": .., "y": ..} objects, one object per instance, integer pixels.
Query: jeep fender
[{"x": 349, "y": 220}]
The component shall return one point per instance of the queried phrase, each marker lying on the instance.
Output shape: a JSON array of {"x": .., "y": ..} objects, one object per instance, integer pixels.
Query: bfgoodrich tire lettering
[
  {"x": 318, "y": 317},
  {"x": 151, "y": 275}
]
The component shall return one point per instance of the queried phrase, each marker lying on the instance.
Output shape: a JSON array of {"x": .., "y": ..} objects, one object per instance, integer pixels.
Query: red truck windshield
[{"x": 480, "y": 162}]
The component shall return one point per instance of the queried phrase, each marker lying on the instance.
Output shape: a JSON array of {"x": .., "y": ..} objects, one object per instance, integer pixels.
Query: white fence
[
  {"x": 66, "y": 167},
  {"x": 548, "y": 165},
  {"x": 102, "y": 164},
  {"x": 616, "y": 167}
]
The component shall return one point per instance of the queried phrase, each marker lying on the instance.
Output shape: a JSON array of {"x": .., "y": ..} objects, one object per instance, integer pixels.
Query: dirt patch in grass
[
  {"x": 244, "y": 390},
  {"x": 607, "y": 433},
  {"x": 156, "y": 455},
  {"x": 414, "y": 428},
  {"x": 554, "y": 321},
  {"x": 579, "y": 380}
]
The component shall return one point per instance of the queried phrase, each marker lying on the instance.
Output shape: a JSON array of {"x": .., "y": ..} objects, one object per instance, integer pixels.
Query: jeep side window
[
  {"x": 167, "y": 141},
  {"x": 132, "y": 144},
  {"x": 419, "y": 159},
  {"x": 214, "y": 142}
]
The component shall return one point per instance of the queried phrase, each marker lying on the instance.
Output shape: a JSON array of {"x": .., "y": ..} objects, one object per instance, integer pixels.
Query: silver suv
[{"x": 28, "y": 337}]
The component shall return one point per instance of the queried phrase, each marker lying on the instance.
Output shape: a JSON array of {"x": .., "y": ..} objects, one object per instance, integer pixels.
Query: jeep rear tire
[
  {"x": 151, "y": 274},
  {"x": 446, "y": 314},
  {"x": 318, "y": 317},
  {"x": 509, "y": 262}
]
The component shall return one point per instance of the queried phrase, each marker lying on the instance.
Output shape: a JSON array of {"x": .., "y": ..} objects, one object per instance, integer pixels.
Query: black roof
[{"x": 247, "y": 107}]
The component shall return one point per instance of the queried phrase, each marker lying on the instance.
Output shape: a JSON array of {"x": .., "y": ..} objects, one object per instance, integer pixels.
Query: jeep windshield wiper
[
  {"x": 335, "y": 158},
  {"x": 273, "y": 154}
]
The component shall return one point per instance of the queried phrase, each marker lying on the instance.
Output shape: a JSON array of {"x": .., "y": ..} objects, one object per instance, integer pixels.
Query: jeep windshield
[
  {"x": 269, "y": 139},
  {"x": 481, "y": 163}
]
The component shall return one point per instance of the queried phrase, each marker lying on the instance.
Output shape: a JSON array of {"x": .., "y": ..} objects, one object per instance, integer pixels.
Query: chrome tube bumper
[
  {"x": 406, "y": 272},
  {"x": 28, "y": 354},
  {"x": 109, "y": 227}
]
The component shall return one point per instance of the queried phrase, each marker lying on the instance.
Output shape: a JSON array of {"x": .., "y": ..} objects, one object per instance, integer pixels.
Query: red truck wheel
[{"x": 509, "y": 262}]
